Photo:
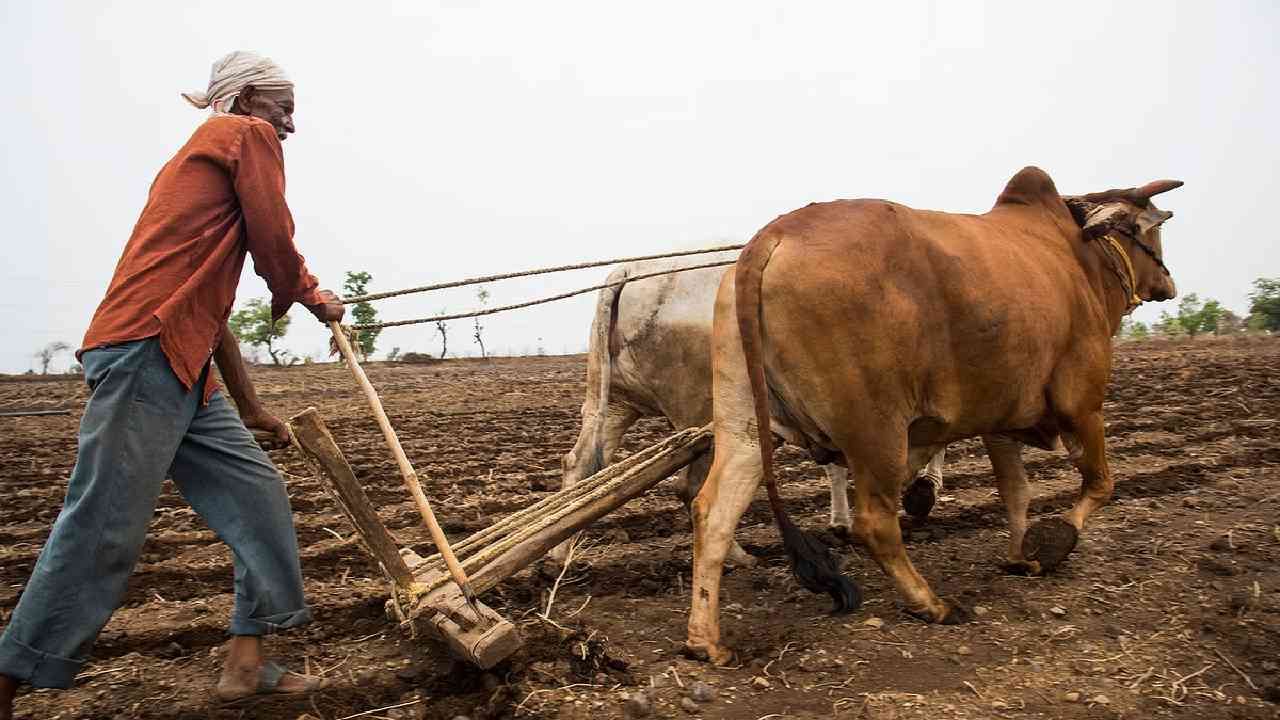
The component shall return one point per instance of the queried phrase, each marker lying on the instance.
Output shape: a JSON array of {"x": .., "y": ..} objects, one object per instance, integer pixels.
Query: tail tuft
[{"x": 817, "y": 571}]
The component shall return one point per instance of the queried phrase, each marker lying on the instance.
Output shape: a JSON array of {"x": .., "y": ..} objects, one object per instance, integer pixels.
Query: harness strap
[{"x": 1128, "y": 279}]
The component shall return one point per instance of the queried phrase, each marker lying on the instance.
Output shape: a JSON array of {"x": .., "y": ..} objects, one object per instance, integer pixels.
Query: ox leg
[
  {"x": 592, "y": 453},
  {"x": 841, "y": 523},
  {"x": 691, "y": 481},
  {"x": 1052, "y": 539},
  {"x": 725, "y": 495},
  {"x": 875, "y": 523},
  {"x": 1005, "y": 455},
  {"x": 923, "y": 492}
]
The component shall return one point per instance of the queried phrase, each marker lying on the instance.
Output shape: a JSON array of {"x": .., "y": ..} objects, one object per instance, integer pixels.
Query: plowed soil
[{"x": 1168, "y": 607}]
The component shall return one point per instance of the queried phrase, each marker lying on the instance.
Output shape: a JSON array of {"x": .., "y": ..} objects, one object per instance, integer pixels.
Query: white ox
[{"x": 650, "y": 356}]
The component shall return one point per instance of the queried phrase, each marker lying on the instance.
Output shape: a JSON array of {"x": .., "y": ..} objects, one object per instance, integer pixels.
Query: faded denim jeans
[{"x": 140, "y": 426}]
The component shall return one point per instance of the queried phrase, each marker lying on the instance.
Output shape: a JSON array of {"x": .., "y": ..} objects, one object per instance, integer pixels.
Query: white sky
[{"x": 438, "y": 141}]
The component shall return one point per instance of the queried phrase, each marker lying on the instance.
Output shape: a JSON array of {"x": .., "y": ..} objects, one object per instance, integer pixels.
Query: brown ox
[{"x": 882, "y": 333}]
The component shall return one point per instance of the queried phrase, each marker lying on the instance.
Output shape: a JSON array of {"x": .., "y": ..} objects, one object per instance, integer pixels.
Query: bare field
[{"x": 1167, "y": 606}]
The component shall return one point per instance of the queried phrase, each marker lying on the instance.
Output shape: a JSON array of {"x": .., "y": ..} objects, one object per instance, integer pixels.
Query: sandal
[{"x": 269, "y": 676}]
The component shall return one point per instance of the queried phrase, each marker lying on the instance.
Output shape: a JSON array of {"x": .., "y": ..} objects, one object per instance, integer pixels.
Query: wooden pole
[
  {"x": 406, "y": 470},
  {"x": 638, "y": 482},
  {"x": 326, "y": 460}
]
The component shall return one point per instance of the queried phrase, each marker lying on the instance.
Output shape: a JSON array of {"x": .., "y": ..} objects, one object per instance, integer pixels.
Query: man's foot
[
  {"x": 247, "y": 673},
  {"x": 268, "y": 678},
  {"x": 8, "y": 689}
]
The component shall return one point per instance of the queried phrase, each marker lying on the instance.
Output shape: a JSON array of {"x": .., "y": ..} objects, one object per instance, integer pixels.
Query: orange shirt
[{"x": 221, "y": 195}]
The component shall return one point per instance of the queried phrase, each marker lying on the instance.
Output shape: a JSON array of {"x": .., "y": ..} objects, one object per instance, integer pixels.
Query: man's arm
[
  {"x": 236, "y": 378},
  {"x": 259, "y": 185}
]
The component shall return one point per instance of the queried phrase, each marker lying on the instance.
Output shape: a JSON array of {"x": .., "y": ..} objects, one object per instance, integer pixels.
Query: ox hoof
[
  {"x": 956, "y": 614},
  {"x": 1049, "y": 542},
  {"x": 919, "y": 498},
  {"x": 714, "y": 654},
  {"x": 842, "y": 531},
  {"x": 1021, "y": 567},
  {"x": 950, "y": 614}
]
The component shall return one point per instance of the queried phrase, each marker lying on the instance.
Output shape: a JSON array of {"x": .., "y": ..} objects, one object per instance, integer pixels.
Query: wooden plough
[{"x": 425, "y": 592}]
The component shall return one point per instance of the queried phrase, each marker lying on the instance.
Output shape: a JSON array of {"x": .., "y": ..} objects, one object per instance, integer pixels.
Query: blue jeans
[{"x": 139, "y": 426}]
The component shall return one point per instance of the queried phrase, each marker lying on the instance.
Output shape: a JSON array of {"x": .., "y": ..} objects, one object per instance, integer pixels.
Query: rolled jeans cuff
[
  {"x": 35, "y": 668},
  {"x": 271, "y": 623}
]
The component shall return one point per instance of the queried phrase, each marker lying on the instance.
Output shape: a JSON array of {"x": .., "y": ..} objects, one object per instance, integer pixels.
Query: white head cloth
[{"x": 232, "y": 73}]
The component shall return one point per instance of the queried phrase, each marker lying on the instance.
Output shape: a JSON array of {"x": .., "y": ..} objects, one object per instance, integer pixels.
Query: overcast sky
[{"x": 439, "y": 141}]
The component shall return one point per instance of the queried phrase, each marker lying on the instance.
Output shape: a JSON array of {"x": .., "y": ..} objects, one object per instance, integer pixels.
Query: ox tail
[
  {"x": 811, "y": 560},
  {"x": 603, "y": 329}
]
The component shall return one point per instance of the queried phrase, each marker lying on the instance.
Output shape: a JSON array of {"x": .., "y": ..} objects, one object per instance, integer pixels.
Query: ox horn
[
  {"x": 1137, "y": 196},
  {"x": 1151, "y": 189}
]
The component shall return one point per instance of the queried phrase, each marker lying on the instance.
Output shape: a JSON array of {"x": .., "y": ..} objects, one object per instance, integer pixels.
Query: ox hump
[{"x": 1030, "y": 186}]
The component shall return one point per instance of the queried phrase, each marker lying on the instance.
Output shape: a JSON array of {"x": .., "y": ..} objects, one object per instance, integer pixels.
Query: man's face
[{"x": 274, "y": 106}]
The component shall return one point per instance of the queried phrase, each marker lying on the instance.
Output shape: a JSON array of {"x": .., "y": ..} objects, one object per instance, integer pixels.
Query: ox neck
[{"x": 1116, "y": 280}]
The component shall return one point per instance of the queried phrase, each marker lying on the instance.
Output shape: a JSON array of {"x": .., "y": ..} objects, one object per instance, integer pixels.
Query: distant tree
[
  {"x": 442, "y": 329},
  {"x": 1130, "y": 328},
  {"x": 1168, "y": 325},
  {"x": 395, "y": 353},
  {"x": 75, "y": 369},
  {"x": 1229, "y": 323},
  {"x": 46, "y": 354},
  {"x": 483, "y": 296},
  {"x": 357, "y": 284},
  {"x": 1197, "y": 316},
  {"x": 1264, "y": 305},
  {"x": 252, "y": 326}
]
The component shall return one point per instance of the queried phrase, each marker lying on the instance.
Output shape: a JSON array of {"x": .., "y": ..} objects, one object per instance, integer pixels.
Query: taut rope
[
  {"x": 540, "y": 301},
  {"x": 541, "y": 271}
]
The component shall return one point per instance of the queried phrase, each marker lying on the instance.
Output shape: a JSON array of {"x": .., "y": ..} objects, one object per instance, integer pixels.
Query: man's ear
[
  {"x": 1151, "y": 217},
  {"x": 246, "y": 98}
]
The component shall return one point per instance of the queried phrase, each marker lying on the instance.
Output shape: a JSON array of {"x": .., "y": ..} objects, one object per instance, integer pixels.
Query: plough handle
[{"x": 406, "y": 470}]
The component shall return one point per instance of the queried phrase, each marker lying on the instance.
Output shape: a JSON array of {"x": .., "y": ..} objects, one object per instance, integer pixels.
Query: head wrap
[{"x": 232, "y": 73}]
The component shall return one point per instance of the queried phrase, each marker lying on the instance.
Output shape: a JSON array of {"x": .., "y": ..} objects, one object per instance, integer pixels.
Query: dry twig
[
  {"x": 374, "y": 711},
  {"x": 1239, "y": 672}
]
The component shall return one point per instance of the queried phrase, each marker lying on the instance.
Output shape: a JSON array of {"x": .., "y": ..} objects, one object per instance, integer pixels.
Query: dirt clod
[
  {"x": 702, "y": 692},
  {"x": 637, "y": 705}
]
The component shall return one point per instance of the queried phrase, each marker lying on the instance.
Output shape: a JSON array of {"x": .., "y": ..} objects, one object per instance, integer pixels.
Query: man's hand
[
  {"x": 331, "y": 310},
  {"x": 267, "y": 429}
]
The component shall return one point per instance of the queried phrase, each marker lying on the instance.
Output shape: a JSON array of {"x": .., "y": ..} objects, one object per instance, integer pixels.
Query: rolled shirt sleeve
[{"x": 259, "y": 185}]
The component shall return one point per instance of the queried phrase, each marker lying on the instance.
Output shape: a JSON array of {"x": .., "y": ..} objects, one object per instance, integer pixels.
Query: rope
[
  {"x": 540, "y": 301},
  {"x": 1122, "y": 266},
  {"x": 542, "y": 271}
]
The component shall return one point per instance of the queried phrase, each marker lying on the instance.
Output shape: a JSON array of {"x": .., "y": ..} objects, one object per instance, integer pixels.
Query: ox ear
[
  {"x": 1098, "y": 219},
  {"x": 1151, "y": 217}
]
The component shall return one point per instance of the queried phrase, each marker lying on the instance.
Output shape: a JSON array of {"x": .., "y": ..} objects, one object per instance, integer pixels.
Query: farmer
[{"x": 154, "y": 410}]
